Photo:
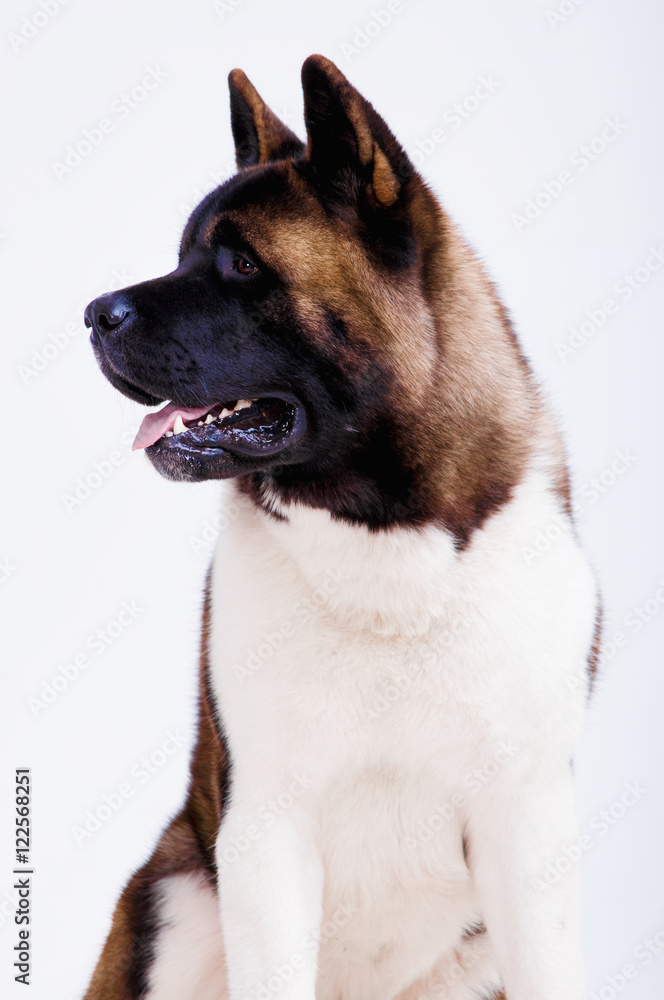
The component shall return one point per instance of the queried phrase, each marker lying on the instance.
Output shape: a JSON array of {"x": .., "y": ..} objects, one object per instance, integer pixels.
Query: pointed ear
[
  {"x": 349, "y": 145},
  {"x": 260, "y": 137}
]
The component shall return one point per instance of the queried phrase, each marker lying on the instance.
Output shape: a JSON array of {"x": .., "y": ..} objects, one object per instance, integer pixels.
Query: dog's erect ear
[
  {"x": 260, "y": 137},
  {"x": 350, "y": 145}
]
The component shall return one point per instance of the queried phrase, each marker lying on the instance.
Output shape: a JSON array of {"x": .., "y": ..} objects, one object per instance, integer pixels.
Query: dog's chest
[
  {"x": 369, "y": 739},
  {"x": 375, "y": 685},
  {"x": 349, "y": 650}
]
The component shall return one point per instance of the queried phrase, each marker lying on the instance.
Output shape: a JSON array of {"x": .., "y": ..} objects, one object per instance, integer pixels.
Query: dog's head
[{"x": 298, "y": 342}]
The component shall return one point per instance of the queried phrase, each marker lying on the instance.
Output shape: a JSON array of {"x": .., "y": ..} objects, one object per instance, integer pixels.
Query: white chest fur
[{"x": 372, "y": 688}]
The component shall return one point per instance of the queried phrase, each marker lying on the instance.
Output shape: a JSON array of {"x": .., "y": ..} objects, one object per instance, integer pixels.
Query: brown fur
[
  {"x": 268, "y": 139},
  {"x": 593, "y": 658},
  {"x": 461, "y": 402},
  {"x": 459, "y": 411},
  {"x": 462, "y": 399},
  {"x": 186, "y": 846}
]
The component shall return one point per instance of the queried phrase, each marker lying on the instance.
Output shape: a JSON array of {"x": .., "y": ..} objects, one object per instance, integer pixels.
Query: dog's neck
[{"x": 399, "y": 580}]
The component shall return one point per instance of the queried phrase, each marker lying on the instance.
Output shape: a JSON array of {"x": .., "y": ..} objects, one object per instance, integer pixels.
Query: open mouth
[{"x": 261, "y": 426}]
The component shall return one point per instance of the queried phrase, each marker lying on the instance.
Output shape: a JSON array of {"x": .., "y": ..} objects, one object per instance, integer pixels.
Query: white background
[{"x": 120, "y": 212}]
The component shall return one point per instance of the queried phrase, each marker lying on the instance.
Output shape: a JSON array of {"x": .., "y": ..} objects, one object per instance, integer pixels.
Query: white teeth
[{"x": 179, "y": 427}]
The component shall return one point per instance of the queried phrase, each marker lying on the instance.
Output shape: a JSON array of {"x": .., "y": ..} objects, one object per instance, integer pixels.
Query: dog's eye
[{"x": 244, "y": 266}]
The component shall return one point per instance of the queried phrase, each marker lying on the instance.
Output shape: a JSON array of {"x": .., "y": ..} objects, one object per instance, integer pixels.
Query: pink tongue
[{"x": 156, "y": 424}]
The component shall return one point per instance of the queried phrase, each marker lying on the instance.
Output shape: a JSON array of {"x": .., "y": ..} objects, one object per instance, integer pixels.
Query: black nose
[{"x": 107, "y": 313}]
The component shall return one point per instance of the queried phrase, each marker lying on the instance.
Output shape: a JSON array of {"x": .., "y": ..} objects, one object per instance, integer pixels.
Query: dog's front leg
[
  {"x": 518, "y": 826},
  {"x": 270, "y": 894}
]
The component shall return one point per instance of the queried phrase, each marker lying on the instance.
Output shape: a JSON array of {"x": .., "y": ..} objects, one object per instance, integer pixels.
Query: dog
[{"x": 392, "y": 675}]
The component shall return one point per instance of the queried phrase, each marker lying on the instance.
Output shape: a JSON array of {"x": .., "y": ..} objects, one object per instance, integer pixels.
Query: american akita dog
[{"x": 392, "y": 678}]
